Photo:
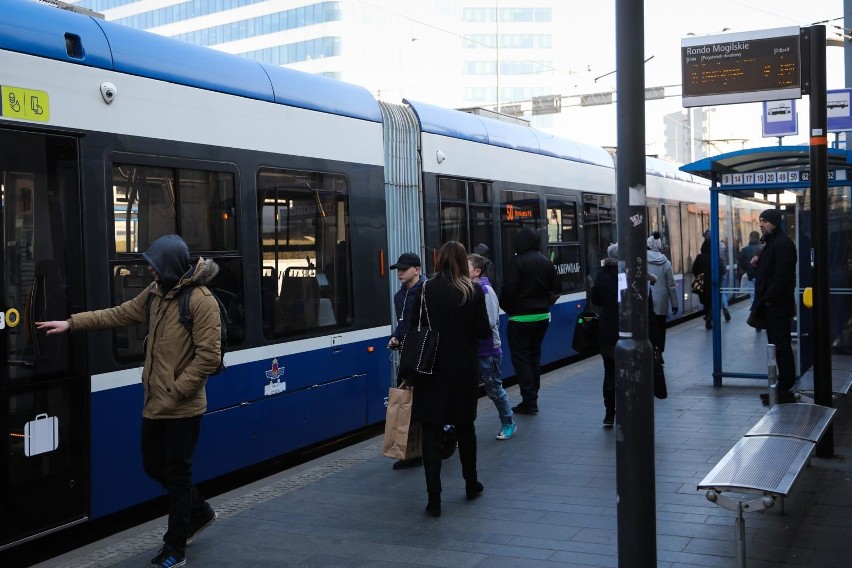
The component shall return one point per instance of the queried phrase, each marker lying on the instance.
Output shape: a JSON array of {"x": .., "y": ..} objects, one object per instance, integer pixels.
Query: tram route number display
[{"x": 741, "y": 67}]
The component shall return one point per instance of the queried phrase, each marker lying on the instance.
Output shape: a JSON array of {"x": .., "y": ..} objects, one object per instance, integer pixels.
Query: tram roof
[
  {"x": 41, "y": 30},
  {"x": 467, "y": 126},
  {"x": 769, "y": 159}
]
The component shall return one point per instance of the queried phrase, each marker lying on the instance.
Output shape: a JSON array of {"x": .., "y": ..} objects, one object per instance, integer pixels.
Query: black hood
[
  {"x": 527, "y": 239},
  {"x": 169, "y": 256}
]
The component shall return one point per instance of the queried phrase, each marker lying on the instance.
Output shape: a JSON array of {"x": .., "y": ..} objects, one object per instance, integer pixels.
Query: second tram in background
[{"x": 303, "y": 189}]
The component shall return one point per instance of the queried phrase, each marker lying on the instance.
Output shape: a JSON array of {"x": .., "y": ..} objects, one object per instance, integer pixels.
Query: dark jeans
[
  {"x": 778, "y": 333},
  {"x": 433, "y": 435},
  {"x": 525, "y": 347},
  {"x": 608, "y": 356},
  {"x": 167, "y": 449}
]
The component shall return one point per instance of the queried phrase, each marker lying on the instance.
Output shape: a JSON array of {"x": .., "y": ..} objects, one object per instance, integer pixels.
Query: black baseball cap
[{"x": 406, "y": 260}]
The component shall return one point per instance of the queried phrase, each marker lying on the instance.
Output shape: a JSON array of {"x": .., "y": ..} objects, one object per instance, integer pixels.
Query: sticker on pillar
[{"x": 41, "y": 435}]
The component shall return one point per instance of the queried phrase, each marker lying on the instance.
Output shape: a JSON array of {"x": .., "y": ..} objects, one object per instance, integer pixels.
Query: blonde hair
[{"x": 452, "y": 258}]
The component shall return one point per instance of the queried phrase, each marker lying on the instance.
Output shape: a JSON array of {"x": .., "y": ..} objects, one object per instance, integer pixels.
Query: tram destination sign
[{"x": 761, "y": 65}]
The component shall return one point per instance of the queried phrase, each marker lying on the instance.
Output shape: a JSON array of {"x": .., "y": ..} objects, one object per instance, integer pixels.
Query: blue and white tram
[{"x": 303, "y": 189}]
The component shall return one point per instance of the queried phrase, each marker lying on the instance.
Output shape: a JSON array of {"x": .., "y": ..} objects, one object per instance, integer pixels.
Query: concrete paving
[{"x": 550, "y": 492}]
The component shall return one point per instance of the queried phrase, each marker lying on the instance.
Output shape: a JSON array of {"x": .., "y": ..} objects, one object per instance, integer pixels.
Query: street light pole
[{"x": 497, "y": 47}]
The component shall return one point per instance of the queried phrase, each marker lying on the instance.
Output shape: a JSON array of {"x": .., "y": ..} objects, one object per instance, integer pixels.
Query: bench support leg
[{"x": 741, "y": 543}]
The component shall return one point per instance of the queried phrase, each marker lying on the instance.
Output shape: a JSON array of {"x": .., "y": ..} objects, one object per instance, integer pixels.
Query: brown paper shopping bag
[{"x": 402, "y": 437}]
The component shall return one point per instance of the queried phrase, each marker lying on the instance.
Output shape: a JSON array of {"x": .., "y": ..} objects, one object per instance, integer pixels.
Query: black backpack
[{"x": 186, "y": 320}]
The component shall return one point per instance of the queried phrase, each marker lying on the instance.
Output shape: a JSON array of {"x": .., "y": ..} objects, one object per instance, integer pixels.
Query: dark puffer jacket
[
  {"x": 177, "y": 363},
  {"x": 531, "y": 284}
]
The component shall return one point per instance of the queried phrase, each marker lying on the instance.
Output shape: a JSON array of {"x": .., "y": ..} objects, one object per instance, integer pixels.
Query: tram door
[{"x": 43, "y": 390}]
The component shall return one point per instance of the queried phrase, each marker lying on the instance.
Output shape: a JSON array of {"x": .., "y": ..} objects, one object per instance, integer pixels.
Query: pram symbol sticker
[
  {"x": 275, "y": 385},
  {"x": 41, "y": 435}
]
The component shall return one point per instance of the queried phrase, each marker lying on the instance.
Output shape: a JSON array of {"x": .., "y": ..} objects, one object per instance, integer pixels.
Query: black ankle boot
[
  {"x": 433, "y": 507},
  {"x": 473, "y": 490}
]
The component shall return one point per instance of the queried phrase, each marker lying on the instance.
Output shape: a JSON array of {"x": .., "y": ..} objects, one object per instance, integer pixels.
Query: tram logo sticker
[
  {"x": 25, "y": 104},
  {"x": 276, "y": 385},
  {"x": 41, "y": 435}
]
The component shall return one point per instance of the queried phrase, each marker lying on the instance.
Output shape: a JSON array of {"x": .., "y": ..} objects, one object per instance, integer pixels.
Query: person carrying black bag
[{"x": 458, "y": 314}]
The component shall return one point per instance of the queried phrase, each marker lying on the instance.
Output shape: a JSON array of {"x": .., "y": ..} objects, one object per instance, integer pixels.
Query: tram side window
[
  {"x": 673, "y": 245},
  {"x": 151, "y": 201},
  {"x": 598, "y": 229},
  {"x": 199, "y": 205},
  {"x": 466, "y": 214},
  {"x": 305, "y": 255},
  {"x": 518, "y": 210},
  {"x": 563, "y": 243}
]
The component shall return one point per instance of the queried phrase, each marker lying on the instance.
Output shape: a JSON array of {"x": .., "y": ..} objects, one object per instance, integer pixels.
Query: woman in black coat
[
  {"x": 702, "y": 266},
  {"x": 456, "y": 310},
  {"x": 605, "y": 294}
]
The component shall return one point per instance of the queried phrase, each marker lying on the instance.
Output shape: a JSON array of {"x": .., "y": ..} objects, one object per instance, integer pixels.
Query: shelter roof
[{"x": 773, "y": 158}]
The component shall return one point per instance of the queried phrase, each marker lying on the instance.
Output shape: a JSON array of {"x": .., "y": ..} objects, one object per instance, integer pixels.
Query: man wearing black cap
[
  {"x": 411, "y": 280},
  {"x": 774, "y": 296}
]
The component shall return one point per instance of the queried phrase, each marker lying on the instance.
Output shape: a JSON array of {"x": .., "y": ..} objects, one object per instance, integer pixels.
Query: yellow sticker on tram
[
  {"x": 25, "y": 104},
  {"x": 808, "y": 297}
]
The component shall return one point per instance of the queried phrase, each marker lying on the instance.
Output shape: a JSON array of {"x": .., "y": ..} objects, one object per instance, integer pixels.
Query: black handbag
[
  {"x": 660, "y": 390},
  {"x": 756, "y": 319},
  {"x": 698, "y": 284},
  {"x": 585, "y": 339},
  {"x": 419, "y": 349}
]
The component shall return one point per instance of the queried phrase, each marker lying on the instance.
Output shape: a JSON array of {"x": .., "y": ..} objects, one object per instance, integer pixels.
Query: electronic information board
[{"x": 762, "y": 65}]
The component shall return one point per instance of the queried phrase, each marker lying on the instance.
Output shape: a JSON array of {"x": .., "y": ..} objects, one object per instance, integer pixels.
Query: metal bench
[
  {"x": 767, "y": 461},
  {"x": 841, "y": 383},
  {"x": 804, "y": 421}
]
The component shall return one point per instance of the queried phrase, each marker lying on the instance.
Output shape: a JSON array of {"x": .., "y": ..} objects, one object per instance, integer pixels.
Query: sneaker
[
  {"x": 167, "y": 558},
  {"x": 727, "y": 314},
  {"x": 206, "y": 517},
  {"x": 609, "y": 419},
  {"x": 508, "y": 431}
]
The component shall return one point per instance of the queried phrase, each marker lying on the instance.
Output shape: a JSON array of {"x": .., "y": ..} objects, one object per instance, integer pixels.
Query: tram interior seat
[{"x": 298, "y": 306}]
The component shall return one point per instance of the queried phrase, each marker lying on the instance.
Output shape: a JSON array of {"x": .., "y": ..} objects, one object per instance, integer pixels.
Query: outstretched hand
[{"x": 52, "y": 327}]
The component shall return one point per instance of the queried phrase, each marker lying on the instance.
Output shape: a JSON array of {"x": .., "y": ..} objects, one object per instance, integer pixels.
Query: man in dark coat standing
[
  {"x": 774, "y": 296},
  {"x": 530, "y": 287}
]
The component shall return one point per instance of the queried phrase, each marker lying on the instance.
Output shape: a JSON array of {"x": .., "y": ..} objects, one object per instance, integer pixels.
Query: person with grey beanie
[{"x": 664, "y": 292}]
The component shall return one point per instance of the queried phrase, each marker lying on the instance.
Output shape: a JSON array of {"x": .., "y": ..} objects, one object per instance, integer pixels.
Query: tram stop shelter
[{"x": 744, "y": 183}]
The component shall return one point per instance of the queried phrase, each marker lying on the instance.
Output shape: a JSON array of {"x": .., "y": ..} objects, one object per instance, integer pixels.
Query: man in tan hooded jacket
[{"x": 177, "y": 364}]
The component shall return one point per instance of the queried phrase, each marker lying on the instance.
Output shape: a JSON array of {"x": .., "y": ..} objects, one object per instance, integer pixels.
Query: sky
[
  {"x": 588, "y": 38},
  {"x": 666, "y": 23}
]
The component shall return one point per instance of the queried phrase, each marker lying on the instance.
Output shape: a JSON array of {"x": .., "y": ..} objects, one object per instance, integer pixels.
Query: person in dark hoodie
[
  {"x": 177, "y": 364},
  {"x": 530, "y": 287}
]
